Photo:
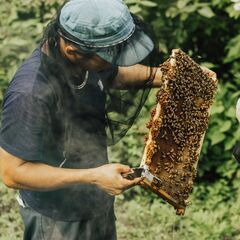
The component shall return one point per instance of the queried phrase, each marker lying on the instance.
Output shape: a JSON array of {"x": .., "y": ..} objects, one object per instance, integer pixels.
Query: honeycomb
[{"x": 177, "y": 127}]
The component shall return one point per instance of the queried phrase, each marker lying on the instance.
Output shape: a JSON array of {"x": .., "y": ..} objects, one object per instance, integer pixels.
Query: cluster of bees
[{"x": 185, "y": 98}]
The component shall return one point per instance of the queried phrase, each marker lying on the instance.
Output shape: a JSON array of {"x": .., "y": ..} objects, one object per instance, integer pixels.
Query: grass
[
  {"x": 205, "y": 219},
  {"x": 10, "y": 220},
  {"x": 144, "y": 216}
]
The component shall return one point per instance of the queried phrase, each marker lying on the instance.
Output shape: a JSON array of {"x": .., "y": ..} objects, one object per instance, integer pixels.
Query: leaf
[
  {"x": 171, "y": 12},
  {"x": 16, "y": 41},
  {"x": 135, "y": 9},
  {"x": 131, "y": 1},
  {"x": 206, "y": 12},
  {"x": 217, "y": 109},
  {"x": 231, "y": 112},
  {"x": 229, "y": 144},
  {"x": 190, "y": 8},
  {"x": 233, "y": 48},
  {"x": 182, "y": 3},
  {"x": 216, "y": 137},
  {"x": 163, "y": 47},
  {"x": 148, "y": 3},
  {"x": 208, "y": 65},
  {"x": 183, "y": 16},
  {"x": 225, "y": 126}
]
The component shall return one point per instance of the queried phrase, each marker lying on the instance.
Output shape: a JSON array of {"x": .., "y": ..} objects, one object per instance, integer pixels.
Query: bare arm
[
  {"x": 19, "y": 174},
  {"x": 136, "y": 75}
]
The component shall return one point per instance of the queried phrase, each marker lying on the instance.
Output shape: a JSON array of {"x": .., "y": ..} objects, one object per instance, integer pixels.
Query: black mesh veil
[{"x": 122, "y": 105}]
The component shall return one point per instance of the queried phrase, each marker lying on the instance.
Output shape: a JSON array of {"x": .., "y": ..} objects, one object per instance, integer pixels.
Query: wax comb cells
[{"x": 177, "y": 127}]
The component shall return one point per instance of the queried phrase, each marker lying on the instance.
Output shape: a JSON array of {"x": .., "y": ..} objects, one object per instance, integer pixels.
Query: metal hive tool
[{"x": 176, "y": 129}]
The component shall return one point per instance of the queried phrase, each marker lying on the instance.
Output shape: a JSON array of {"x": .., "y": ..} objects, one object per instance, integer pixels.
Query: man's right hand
[
  {"x": 20, "y": 174},
  {"x": 109, "y": 178}
]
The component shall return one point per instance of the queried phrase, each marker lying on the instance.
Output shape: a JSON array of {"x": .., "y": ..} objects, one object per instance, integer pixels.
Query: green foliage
[
  {"x": 10, "y": 222},
  {"x": 205, "y": 219},
  {"x": 21, "y": 27},
  {"x": 209, "y": 31},
  {"x": 222, "y": 134}
]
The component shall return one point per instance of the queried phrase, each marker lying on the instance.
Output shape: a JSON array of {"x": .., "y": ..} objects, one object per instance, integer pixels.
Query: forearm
[
  {"x": 20, "y": 174},
  {"x": 137, "y": 76},
  {"x": 42, "y": 177}
]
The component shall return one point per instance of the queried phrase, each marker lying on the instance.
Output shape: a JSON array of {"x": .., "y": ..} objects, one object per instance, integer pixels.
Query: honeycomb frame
[{"x": 177, "y": 127}]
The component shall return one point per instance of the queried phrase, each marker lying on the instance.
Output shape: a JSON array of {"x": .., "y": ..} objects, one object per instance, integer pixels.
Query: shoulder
[
  {"x": 30, "y": 79},
  {"x": 19, "y": 104}
]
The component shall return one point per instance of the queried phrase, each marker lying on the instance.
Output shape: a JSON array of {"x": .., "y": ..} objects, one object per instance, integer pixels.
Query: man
[{"x": 53, "y": 140}]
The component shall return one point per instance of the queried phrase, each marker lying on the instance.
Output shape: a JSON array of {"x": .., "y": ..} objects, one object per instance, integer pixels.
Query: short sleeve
[
  {"x": 24, "y": 122},
  {"x": 108, "y": 76}
]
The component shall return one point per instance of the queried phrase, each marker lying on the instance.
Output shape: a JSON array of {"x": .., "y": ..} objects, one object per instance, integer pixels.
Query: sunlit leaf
[
  {"x": 216, "y": 137},
  {"x": 226, "y": 125},
  {"x": 148, "y": 3},
  {"x": 206, "y": 12},
  {"x": 182, "y": 3},
  {"x": 135, "y": 9}
]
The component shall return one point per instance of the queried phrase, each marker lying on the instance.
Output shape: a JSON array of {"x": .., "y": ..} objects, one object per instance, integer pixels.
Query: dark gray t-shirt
[{"x": 36, "y": 128}]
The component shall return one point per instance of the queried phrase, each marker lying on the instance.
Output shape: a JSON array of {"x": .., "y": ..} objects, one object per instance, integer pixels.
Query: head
[
  {"x": 79, "y": 58},
  {"x": 70, "y": 51},
  {"x": 95, "y": 37}
]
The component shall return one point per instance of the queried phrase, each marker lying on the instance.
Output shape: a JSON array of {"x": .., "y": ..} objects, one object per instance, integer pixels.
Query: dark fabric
[
  {"x": 44, "y": 120},
  {"x": 24, "y": 126},
  {"x": 40, "y": 227}
]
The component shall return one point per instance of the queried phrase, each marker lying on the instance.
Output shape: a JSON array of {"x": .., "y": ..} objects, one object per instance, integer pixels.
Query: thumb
[
  {"x": 123, "y": 168},
  {"x": 138, "y": 180},
  {"x": 132, "y": 183}
]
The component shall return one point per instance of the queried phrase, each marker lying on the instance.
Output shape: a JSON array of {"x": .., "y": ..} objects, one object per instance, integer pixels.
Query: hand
[
  {"x": 210, "y": 73},
  {"x": 109, "y": 178}
]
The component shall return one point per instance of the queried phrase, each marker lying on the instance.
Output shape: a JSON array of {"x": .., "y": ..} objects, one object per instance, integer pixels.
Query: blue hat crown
[{"x": 97, "y": 23}]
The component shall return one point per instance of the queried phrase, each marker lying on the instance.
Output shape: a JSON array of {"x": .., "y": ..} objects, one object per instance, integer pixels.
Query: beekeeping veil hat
[{"x": 106, "y": 28}]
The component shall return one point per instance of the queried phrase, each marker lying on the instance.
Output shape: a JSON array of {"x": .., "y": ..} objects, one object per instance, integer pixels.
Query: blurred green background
[{"x": 209, "y": 31}]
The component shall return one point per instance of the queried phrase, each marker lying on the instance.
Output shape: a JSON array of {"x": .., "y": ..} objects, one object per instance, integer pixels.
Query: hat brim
[{"x": 131, "y": 52}]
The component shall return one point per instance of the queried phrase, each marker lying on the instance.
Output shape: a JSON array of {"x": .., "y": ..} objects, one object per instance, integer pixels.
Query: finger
[
  {"x": 213, "y": 76},
  {"x": 123, "y": 168},
  {"x": 138, "y": 180},
  {"x": 141, "y": 182},
  {"x": 176, "y": 50},
  {"x": 128, "y": 175},
  {"x": 129, "y": 183},
  {"x": 209, "y": 72}
]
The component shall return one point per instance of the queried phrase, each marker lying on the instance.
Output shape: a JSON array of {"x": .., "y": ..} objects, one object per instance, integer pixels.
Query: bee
[
  {"x": 170, "y": 176},
  {"x": 153, "y": 112},
  {"x": 149, "y": 124}
]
